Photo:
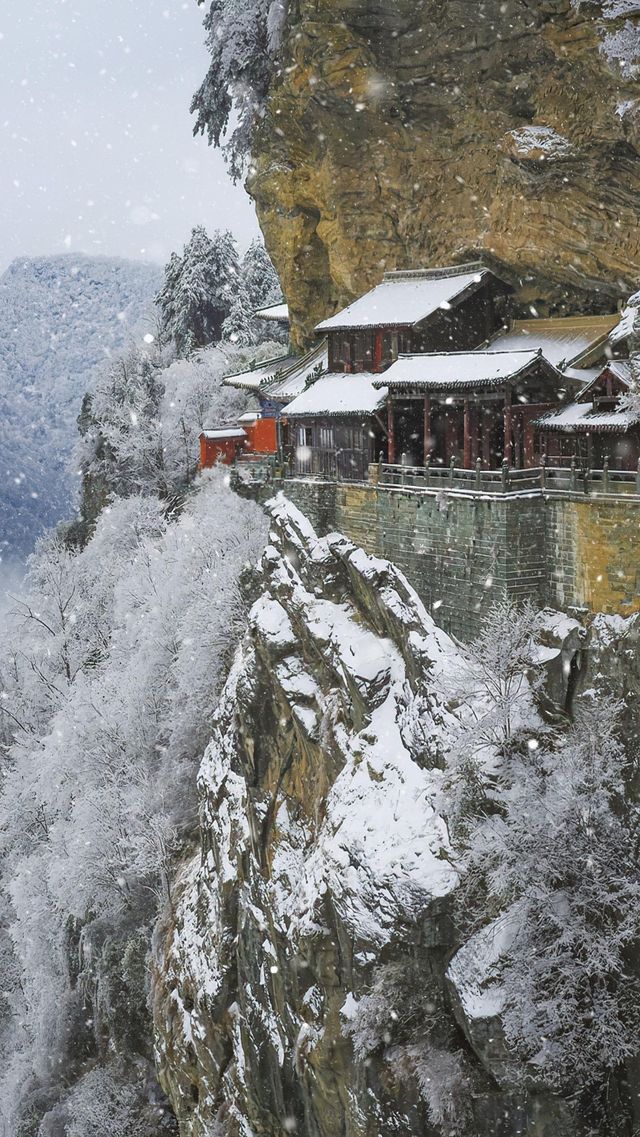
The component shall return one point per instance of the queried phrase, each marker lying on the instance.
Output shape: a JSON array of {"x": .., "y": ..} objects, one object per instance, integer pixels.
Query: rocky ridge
[{"x": 325, "y": 864}]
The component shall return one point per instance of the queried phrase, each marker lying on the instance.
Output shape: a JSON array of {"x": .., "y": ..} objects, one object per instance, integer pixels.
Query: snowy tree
[
  {"x": 545, "y": 840},
  {"x": 258, "y": 287},
  {"x": 118, "y": 653},
  {"x": 122, "y": 434},
  {"x": 560, "y": 858},
  {"x": 240, "y": 327},
  {"x": 243, "y": 44},
  {"x": 404, "y": 1018},
  {"x": 142, "y": 421},
  {"x": 198, "y": 290},
  {"x": 166, "y": 299},
  {"x": 259, "y": 276},
  {"x": 496, "y": 692}
]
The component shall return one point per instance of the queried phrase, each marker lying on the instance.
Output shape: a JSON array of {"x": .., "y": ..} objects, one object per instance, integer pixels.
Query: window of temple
[{"x": 327, "y": 438}]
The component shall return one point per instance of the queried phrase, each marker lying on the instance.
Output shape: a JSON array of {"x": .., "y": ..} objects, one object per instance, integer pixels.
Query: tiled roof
[
  {"x": 337, "y": 394},
  {"x": 463, "y": 370},
  {"x": 403, "y": 299}
]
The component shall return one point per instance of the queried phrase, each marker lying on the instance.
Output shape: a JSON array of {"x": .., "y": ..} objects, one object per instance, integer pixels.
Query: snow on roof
[
  {"x": 624, "y": 327},
  {"x": 582, "y": 418},
  {"x": 278, "y": 312},
  {"x": 338, "y": 394},
  {"x": 293, "y": 381},
  {"x": 225, "y": 432},
  {"x": 403, "y": 299},
  {"x": 620, "y": 368},
  {"x": 563, "y": 341},
  {"x": 250, "y": 416},
  {"x": 262, "y": 373},
  {"x": 461, "y": 369}
]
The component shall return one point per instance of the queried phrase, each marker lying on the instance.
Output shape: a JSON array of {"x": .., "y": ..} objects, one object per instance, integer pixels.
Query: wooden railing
[
  {"x": 536, "y": 479},
  {"x": 350, "y": 466}
]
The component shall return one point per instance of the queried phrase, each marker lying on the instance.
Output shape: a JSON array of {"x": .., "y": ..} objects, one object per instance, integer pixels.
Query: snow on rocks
[
  {"x": 321, "y": 839},
  {"x": 621, "y": 47},
  {"x": 537, "y": 144},
  {"x": 325, "y": 853},
  {"x": 474, "y": 977}
]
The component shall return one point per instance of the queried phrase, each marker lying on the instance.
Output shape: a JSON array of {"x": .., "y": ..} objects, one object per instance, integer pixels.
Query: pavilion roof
[
  {"x": 462, "y": 370},
  {"x": 294, "y": 379},
  {"x": 276, "y": 312},
  {"x": 337, "y": 394},
  {"x": 404, "y": 299},
  {"x": 564, "y": 342},
  {"x": 624, "y": 325},
  {"x": 620, "y": 368},
  {"x": 582, "y": 418},
  {"x": 256, "y": 377}
]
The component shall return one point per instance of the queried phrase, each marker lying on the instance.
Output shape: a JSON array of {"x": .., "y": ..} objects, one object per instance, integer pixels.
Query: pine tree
[
  {"x": 239, "y": 328},
  {"x": 243, "y": 41},
  {"x": 259, "y": 276},
  {"x": 197, "y": 293}
]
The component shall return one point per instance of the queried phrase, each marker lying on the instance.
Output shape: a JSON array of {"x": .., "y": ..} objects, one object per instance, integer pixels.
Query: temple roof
[
  {"x": 564, "y": 342},
  {"x": 403, "y": 299},
  {"x": 462, "y": 370},
  {"x": 337, "y": 394},
  {"x": 624, "y": 326},
  {"x": 620, "y": 368},
  {"x": 282, "y": 378},
  {"x": 224, "y": 432},
  {"x": 294, "y": 379},
  {"x": 255, "y": 378},
  {"x": 582, "y": 418},
  {"x": 277, "y": 312}
]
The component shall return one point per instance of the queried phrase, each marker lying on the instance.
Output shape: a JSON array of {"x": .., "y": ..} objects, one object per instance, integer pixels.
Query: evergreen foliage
[
  {"x": 208, "y": 294},
  {"x": 198, "y": 290},
  {"x": 243, "y": 43}
]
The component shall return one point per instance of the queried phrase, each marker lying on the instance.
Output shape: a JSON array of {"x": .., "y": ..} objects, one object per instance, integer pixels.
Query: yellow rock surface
[{"x": 387, "y": 144}]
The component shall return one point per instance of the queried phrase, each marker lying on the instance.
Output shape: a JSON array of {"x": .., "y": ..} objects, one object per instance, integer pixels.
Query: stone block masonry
[{"x": 462, "y": 552}]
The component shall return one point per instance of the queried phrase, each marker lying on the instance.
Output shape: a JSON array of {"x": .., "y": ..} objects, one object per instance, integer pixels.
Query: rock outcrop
[
  {"x": 325, "y": 874},
  {"x": 420, "y": 133}
]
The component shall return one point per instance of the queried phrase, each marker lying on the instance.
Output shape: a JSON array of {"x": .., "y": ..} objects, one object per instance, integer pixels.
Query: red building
[{"x": 222, "y": 445}]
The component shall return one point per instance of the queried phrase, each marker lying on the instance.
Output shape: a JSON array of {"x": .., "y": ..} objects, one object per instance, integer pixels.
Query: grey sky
[{"x": 96, "y": 152}]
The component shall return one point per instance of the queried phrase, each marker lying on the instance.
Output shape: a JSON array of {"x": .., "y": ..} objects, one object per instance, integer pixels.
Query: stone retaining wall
[{"x": 461, "y": 552}]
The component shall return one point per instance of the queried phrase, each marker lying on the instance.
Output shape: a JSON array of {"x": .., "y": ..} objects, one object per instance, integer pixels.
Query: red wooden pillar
[
  {"x": 377, "y": 350},
  {"x": 451, "y": 434},
  {"x": 507, "y": 425},
  {"x": 427, "y": 428},
  {"x": 467, "y": 435},
  {"x": 475, "y": 433},
  {"x": 529, "y": 439},
  {"x": 391, "y": 439},
  {"x": 486, "y": 440}
]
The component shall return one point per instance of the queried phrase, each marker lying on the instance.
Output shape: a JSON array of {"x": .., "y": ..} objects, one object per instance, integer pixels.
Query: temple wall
[{"x": 462, "y": 553}]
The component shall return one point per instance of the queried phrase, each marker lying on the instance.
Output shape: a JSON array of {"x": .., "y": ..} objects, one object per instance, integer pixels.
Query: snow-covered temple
[{"x": 429, "y": 368}]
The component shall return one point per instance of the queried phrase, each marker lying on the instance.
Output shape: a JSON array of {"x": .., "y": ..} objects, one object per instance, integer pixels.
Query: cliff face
[
  {"x": 326, "y": 875},
  {"x": 420, "y": 133}
]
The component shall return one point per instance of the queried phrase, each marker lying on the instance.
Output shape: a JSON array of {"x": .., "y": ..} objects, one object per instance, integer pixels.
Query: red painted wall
[
  {"x": 262, "y": 436},
  {"x": 213, "y": 450}
]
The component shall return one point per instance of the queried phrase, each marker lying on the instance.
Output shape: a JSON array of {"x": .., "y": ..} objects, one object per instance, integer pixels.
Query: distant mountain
[{"x": 60, "y": 318}]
